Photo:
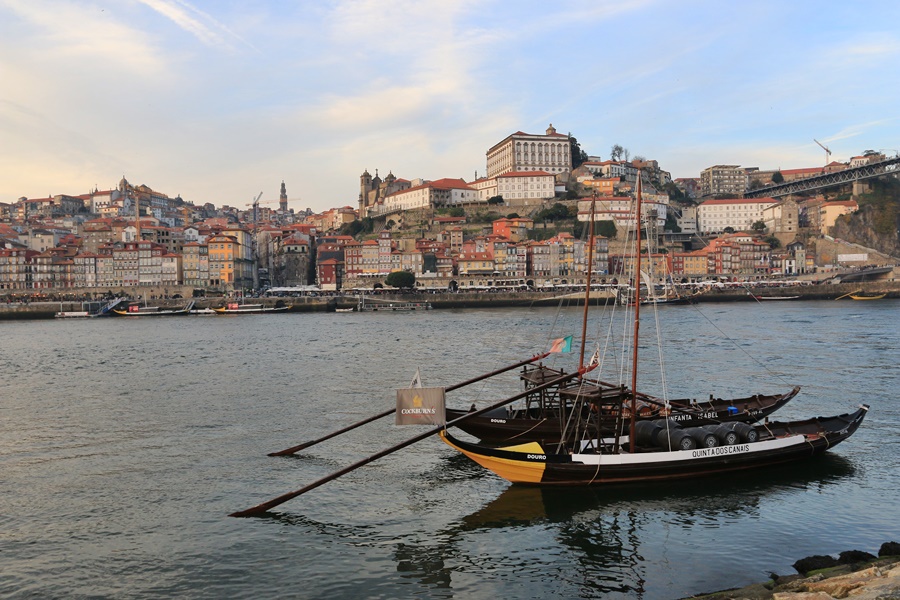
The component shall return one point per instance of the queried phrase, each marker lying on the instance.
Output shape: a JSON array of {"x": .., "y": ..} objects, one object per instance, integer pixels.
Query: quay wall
[{"x": 47, "y": 310}]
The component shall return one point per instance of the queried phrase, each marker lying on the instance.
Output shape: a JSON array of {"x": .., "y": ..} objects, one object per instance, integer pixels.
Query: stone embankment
[
  {"x": 328, "y": 303},
  {"x": 854, "y": 574}
]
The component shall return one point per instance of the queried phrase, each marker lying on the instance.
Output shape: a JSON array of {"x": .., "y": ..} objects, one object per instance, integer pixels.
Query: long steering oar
[
  {"x": 303, "y": 446},
  {"x": 850, "y": 294},
  {"x": 261, "y": 508}
]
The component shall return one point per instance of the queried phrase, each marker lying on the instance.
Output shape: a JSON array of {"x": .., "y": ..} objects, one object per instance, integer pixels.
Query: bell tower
[{"x": 282, "y": 199}]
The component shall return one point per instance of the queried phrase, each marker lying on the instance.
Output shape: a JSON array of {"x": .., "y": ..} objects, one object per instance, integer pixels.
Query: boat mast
[
  {"x": 587, "y": 284},
  {"x": 637, "y": 311}
]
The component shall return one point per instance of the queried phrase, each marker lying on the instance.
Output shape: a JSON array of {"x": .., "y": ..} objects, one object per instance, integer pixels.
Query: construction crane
[{"x": 825, "y": 148}]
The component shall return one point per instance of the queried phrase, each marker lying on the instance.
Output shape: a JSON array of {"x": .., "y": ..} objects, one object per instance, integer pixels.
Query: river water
[{"x": 126, "y": 442}]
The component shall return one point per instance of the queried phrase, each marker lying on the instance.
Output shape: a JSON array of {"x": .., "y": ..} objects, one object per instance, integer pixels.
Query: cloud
[
  {"x": 194, "y": 21},
  {"x": 70, "y": 33}
]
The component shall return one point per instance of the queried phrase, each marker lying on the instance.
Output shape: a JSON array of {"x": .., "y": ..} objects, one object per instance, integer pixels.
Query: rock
[
  {"x": 889, "y": 549},
  {"x": 814, "y": 563},
  {"x": 850, "y": 557}
]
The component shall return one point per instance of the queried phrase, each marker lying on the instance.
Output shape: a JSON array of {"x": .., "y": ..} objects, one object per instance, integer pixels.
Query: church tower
[
  {"x": 282, "y": 200},
  {"x": 365, "y": 186}
]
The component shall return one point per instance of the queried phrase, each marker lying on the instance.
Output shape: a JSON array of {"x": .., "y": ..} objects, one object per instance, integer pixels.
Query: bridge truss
[{"x": 890, "y": 166}]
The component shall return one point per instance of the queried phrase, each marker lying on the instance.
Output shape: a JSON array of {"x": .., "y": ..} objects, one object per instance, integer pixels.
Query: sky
[{"x": 217, "y": 101}]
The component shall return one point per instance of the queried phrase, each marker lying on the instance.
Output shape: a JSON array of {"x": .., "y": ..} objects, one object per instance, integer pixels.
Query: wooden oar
[
  {"x": 261, "y": 508},
  {"x": 303, "y": 446},
  {"x": 850, "y": 294}
]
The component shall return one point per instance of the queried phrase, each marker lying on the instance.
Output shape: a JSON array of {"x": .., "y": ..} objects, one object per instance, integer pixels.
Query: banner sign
[{"x": 420, "y": 406}]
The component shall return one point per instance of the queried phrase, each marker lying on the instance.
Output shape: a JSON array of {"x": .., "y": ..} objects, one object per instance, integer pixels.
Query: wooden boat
[
  {"x": 542, "y": 417},
  {"x": 772, "y": 444},
  {"x": 642, "y": 450},
  {"x": 136, "y": 310},
  {"x": 755, "y": 297},
  {"x": 860, "y": 297},
  {"x": 234, "y": 308}
]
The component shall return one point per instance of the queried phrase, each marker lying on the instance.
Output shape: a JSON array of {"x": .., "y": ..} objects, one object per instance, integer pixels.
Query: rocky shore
[{"x": 853, "y": 574}]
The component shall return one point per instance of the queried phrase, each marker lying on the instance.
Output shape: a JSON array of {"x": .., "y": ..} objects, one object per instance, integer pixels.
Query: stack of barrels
[{"x": 669, "y": 435}]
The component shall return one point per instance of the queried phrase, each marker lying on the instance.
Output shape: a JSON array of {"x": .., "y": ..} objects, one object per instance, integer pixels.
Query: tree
[
  {"x": 728, "y": 230},
  {"x": 513, "y": 215},
  {"x": 777, "y": 177},
  {"x": 759, "y": 226},
  {"x": 616, "y": 152},
  {"x": 495, "y": 200},
  {"x": 556, "y": 212},
  {"x": 773, "y": 242},
  {"x": 579, "y": 156},
  {"x": 400, "y": 279},
  {"x": 457, "y": 211}
]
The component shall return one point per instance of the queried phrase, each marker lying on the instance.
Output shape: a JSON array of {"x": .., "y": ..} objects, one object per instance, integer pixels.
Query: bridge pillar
[{"x": 861, "y": 187}]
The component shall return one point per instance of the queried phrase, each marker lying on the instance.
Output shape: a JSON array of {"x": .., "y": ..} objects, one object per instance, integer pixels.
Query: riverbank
[
  {"x": 330, "y": 303},
  {"x": 854, "y": 574}
]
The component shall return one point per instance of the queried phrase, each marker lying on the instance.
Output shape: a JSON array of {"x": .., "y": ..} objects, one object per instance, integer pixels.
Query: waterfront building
[
  {"x": 690, "y": 263},
  {"x": 657, "y": 265},
  {"x": 53, "y": 268},
  {"x": 521, "y": 151},
  {"x": 738, "y": 213},
  {"x": 15, "y": 267},
  {"x": 723, "y": 179},
  {"x": 330, "y": 274},
  {"x": 195, "y": 264},
  {"x": 222, "y": 250}
]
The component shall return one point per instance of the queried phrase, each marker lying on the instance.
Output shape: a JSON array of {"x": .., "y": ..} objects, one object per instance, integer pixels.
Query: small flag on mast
[
  {"x": 595, "y": 358},
  {"x": 562, "y": 344},
  {"x": 416, "y": 381}
]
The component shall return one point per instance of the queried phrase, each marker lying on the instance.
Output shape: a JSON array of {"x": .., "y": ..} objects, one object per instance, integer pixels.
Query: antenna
[{"x": 825, "y": 148}]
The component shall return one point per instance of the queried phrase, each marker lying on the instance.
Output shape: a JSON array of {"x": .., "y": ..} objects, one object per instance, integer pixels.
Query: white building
[
  {"x": 521, "y": 151},
  {"x": 714, "y": 216},
  {"x": 526, "y": 187},
  {"x": 443, "y": 192}
]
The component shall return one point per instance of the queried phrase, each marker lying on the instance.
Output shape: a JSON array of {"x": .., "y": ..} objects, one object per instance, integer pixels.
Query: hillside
[{"x": 877, "y": 222}]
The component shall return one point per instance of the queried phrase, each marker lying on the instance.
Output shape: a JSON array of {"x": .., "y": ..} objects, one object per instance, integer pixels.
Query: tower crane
[{"x": 825, "y": 148}]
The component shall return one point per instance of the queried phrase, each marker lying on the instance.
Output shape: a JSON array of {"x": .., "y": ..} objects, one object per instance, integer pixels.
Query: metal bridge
[{"x": 890, "y": 166}]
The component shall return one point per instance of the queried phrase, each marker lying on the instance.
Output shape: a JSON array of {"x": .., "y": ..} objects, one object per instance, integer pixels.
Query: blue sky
[{"x": 217, "y": 101}]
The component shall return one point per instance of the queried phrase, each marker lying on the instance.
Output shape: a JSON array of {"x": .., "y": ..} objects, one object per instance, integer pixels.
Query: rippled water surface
[{"x": 124, "y": 443}]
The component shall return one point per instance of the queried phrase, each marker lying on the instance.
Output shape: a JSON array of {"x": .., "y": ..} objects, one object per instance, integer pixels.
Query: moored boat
[
  {"x": 762, "y": 445},
  {"x": 136, "y": 310},
  {"x": 543, "y": 417},
  {"x": 234, "y": 308}
]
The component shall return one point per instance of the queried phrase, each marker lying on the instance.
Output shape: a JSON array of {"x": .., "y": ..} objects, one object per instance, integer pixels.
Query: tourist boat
[
  {"x": 542, "y": 416},
  {"x": 136, "y": 310},
  {"x": 650, "y": 449},
  {"x": 235, "y": 308}
]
